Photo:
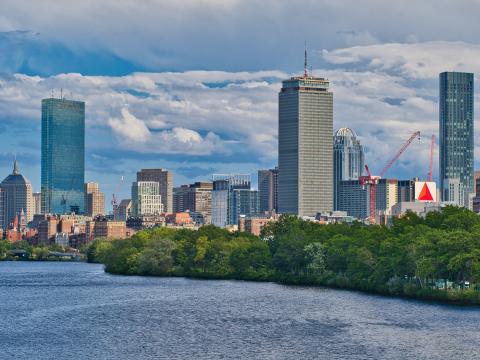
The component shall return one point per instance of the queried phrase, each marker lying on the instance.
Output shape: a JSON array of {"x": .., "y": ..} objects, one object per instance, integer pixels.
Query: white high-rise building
[{"x": 146, "y": 198}]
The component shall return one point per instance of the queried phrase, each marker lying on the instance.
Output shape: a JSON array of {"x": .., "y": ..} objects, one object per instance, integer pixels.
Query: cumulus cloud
[{"x": 207, "y": 118}]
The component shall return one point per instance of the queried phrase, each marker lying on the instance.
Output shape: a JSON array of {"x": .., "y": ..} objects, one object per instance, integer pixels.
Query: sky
[{"x": 192, "y": 85}]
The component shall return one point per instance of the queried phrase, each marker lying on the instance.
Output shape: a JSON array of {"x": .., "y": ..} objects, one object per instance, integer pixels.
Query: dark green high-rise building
[
  {"x": 456, "y": 133},
  {"x": 63, "y": 156}
]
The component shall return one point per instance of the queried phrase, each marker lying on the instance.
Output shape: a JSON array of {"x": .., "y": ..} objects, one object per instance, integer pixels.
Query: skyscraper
[
  {"x": 94, "y": 200},
  {"x": 15, "y": 198},
  {"x": 165, "y": 181},
  {"x": 37, "y": 203},
  {"x": 305, "y": 151},
  {"x": 456, "y": 132},
  {"x": 63, "y": 156},
  {"x": 348, "y": 160}
]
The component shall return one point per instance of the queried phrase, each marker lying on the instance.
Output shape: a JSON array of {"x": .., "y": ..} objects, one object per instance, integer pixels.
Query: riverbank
[{"x": 435, "y": 259}]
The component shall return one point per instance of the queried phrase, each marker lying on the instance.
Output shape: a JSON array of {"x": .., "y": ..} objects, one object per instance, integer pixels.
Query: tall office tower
[
  {"x": 146, "y": 198},
  {"x": 305, "y": 151},
  {"x": 223, "y": 186},
  {"x": 63, "y": 156},
  {"x": 195, "y": 198},
  {"x": 15, "y": 198},
  {"x": 94, "y": 200},
  {"x": 348, "y": 160},
  {"x": 165, "y": 180},
  {"x": 456, "y": 132},
  {"x": 37, "y": 203},
  {"x": 268, "y": 189}
]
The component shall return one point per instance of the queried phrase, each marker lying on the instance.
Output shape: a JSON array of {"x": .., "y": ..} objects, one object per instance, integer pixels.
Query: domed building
[
  {"x": 348, "y": 159},
  {"x": 15, "y": 199}
]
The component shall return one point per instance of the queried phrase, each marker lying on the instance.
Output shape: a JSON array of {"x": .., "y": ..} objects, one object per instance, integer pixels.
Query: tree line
[{"x": 436, "y": 257}]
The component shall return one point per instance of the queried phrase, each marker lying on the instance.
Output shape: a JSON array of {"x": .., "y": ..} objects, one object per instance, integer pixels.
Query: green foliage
[{"x": 415, "y": 257}]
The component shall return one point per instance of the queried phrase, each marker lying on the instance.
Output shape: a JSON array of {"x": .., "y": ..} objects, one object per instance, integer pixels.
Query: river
[{"x": 76, "y": 311}]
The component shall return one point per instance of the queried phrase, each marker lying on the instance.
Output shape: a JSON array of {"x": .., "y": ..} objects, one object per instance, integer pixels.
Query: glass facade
[
  {"x": 348, "y": 160},
  {"x": 456, "y": 130},
  {"x": 305, "y": 146},
  {"x": 223, "y": 197},
  {"x": 63, "y": 156},
  {"x": 268, "y": 189}
]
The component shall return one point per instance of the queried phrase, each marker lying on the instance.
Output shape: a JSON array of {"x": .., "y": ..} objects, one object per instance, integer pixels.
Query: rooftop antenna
[
  {"x": 305, "y": 64},
  {"x": 61, "y": 93},
  {"x": 52, "y": 94}
]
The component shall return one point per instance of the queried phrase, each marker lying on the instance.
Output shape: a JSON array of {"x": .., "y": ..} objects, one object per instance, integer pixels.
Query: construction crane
[
  {"x": 373, "y": 180},
  {"x": 114, "y": 196},
  {"x": 430, "y": 164}
]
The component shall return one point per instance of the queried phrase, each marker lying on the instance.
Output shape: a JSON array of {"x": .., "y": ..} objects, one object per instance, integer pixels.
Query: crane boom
[
  {"x": 430, "y": 164},
  {"x": 399, "y": 152}
]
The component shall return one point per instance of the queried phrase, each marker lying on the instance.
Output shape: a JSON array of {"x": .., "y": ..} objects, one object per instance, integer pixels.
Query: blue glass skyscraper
[
  {"x": 456, "y": 132},
  {"x": 63, "y": 156}
]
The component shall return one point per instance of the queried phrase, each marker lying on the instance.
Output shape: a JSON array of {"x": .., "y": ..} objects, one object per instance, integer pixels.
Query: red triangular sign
[{"x": 425, "y": 194}]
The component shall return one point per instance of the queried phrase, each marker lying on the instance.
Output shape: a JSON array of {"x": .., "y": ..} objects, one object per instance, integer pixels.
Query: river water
[{"x": 76, "y": 311}]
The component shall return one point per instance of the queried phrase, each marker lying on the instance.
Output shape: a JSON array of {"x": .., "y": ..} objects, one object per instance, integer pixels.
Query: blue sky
[{"x": 192, "y": 86}]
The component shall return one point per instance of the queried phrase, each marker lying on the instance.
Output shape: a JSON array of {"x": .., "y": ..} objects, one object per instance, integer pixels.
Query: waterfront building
[
  {"x": 456, "y": 134},
  {"x": 348, "y": 159},
  {"x": 195, "y": 198},
  {"x": 268, "y": 189},
  {"x": 94, "y": 200},
  {"x": 146, "y": 198},
  {"x": 103, "y": 227},
  {"x": 63, "y": 156},
  {"x": 16, "y": 199},
  {"x": 165, "y": 181},
  {"x": 305, "y": 149},
  {"x": 223, "y": 186},
  {"x": 123, "y": 211}
]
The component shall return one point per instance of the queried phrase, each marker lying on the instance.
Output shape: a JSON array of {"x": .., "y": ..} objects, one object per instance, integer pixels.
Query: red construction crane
[
  {"x": 430, "y": 164},
  {"x": 373, "y": 180}
]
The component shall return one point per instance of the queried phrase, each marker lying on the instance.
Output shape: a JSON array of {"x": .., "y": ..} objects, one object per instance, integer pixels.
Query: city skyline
[{"x": 197, "y": 115}]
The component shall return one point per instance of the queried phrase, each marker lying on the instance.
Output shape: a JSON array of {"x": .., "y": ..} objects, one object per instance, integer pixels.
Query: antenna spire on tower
[{"x": 305, "y": 64}]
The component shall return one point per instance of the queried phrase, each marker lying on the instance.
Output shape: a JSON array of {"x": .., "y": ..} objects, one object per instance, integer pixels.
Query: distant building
[
  {"x": 47, "y": 229},
  {"x": 354, "y": 198},
  {"x": 305, "y": 149},
  {"x": 15, "y": 198},
  {"x": 194, "y": 198},
  {"x": 94, "y": 200},
  {"x": 123, "y": 211},
  {"x": 476, "y": 199},
  {"x": 223, "y": 187},
  {"x": 102, "y": 227},
  {"x": 334, "y": 217},
  {"x": 36, "y": 203},
  {"x": 178, "y": 218},
  {"x": 242, "y": 202},
  {"x": 146, "y": 198},
  {"x": 453, "y": 192},
  {"x": 348, "y": 159},
  {"x": 456, "y": 134},
  {"x": 268, "y": 189},
  {"x": 252, "y": 224},
  {"x": 63, "y": 156},
  {"x": 406, "y": 190},
  {"x": 165, "y": 181}
]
